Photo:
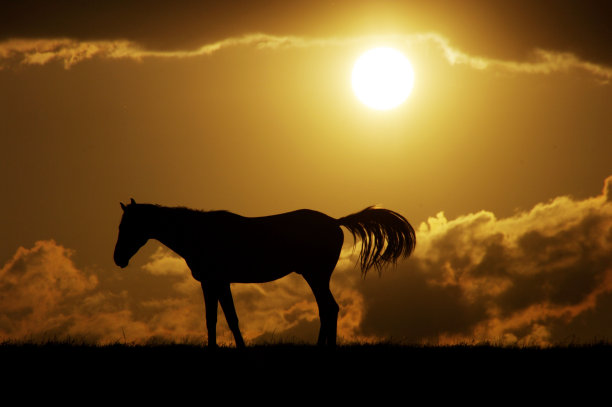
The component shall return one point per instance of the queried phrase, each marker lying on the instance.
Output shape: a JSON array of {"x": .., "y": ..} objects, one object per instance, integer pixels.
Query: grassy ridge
[
  {"x": 306, "y": 371},
  {"x": 378, "y": 355}
]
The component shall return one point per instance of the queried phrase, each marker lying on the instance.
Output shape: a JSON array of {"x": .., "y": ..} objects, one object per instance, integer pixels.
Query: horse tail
[{"x": 385, "y": 236}]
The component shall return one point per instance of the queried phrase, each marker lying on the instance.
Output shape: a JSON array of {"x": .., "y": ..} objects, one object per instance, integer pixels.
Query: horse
[{"x": 221, "y": 248}]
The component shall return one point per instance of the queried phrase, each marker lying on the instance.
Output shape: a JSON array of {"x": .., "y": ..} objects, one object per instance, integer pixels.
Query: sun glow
[{"x": 382, "y": 78}]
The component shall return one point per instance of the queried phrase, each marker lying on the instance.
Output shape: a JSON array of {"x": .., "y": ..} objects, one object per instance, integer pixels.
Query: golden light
[{"x": 382, "y": 78}]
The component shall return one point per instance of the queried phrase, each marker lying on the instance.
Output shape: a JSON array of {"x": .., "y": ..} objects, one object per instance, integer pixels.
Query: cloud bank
[
  {"x": 539, "y": 277},
  {"x": 20, "y": 52},
  {"x": 44, "y": 296}
]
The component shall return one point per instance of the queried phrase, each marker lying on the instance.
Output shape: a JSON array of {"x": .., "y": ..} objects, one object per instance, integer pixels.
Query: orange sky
[{"x": 249, "y": 108}]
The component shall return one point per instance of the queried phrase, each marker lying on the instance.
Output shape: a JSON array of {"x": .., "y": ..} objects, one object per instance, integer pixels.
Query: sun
[{"x": 382, "y": 78}]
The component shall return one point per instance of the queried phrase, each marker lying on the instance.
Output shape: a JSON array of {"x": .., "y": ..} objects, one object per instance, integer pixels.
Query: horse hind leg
[
  {"x": 227, "y": 304},
  {"x": 328, "y": 307}
]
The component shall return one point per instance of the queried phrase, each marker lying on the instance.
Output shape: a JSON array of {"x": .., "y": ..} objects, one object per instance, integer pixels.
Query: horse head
[{"x": 131, "y": 234}]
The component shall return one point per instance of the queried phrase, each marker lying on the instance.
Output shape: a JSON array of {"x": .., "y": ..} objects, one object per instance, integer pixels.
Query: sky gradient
[{"x": 500, "y": 158}]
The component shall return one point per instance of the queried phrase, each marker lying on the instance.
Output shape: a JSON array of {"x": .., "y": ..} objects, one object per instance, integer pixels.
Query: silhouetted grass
[
  {"x": 261, "y": 372},
  {"x": 465, "y": 357}
]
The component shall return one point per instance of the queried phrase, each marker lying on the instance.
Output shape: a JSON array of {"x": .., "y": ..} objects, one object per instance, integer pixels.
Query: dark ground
[{"x": 304, "y": 372}]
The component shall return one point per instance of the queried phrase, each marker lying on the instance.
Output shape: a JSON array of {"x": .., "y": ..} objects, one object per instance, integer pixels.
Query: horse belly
[
  {"x": 256, "y": 275},
  {"x": 243, "y": 267}
]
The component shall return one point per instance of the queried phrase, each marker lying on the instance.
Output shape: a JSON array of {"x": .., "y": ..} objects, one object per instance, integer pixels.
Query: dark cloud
[
  {"x": 525, "y": 278},
  {"x": 403, "y": 305},
  {"x": 494, "y": 29}
]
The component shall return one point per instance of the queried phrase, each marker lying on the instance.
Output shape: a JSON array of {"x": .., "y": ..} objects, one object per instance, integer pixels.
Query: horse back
[{"x": 306, "y": 228}]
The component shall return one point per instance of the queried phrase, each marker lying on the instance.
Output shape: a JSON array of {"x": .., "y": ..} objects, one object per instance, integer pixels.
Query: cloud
[
  {"x": 503, "y": 29},
  {"x": 542, "y": 61},
  {"x": 38, "y": 287},
  {"x": 15, "y": 52},
  {"x": 523, "y": 279},
  {"x": 43, "y": 296},
  {"x": 70, "y": 51},
  {"x": 282, "y": 309},
  {"x": 543, "y": 276},
  {"x": 164, "y": 263}
]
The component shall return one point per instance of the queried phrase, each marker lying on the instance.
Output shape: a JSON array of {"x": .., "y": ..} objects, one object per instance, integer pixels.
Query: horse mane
[
  {"x": 183, "y": 210},
  {"x": 212, "y": 219}
]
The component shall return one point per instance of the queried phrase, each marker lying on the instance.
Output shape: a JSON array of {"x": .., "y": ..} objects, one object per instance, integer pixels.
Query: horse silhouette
[{"x": 221, "y": 247}]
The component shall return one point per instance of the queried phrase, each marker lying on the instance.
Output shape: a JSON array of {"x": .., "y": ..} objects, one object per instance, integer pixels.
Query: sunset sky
[{"x": 501, "y": 158}]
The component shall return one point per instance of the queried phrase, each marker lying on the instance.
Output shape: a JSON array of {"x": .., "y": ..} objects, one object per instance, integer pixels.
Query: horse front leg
[{"x": 211, "y": 301}]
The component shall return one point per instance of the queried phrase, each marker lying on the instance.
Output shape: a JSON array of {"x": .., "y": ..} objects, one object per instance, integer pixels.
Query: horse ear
[
  {"x": 132, "y": 201},
  {"x": 122, "y": 205}
]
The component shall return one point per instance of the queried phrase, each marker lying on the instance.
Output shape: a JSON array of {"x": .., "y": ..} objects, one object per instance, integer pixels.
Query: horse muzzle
[{"x": 121, "y": 263}]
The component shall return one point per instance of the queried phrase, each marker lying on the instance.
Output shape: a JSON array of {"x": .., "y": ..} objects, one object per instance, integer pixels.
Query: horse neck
[{"x": 164, "y": 225}]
